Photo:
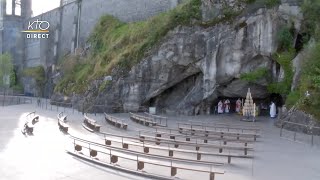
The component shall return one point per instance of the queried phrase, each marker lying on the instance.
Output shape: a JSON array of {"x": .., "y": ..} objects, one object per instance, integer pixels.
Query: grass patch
[
  {"x": 104, "y": 85},
  {"x": 311, "y": 21},
  {"x": 285, "y": 38},
  {"x": 272, "y": 3},
  {"x": 38, "y": 74},
  {"x": 285, "y": 61},
  {"x": 254, "y": 75},
  {"x": 292, "y": 98}
]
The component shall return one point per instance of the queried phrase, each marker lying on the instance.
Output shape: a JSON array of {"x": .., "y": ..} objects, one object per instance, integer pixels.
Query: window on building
[
  {"x": 17, "y": 9},
  {"x": 9, "y": 7}
]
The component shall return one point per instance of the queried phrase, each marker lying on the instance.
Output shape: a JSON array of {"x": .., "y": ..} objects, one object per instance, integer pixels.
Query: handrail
[
  {"x": 140, "y": 163},
  {"x": 152, "y": 115},
  {"x": 61, "y": 117},
  {"x": 34, "y": 113},
  {"x": 208, "y": 131},
  {"x": 118, "y": 120},
  {"x": 198, "y": 137},
  {"x": 196, "y": 144},
  {"x": 299, "y": 124},
  {"x": 160, "y": 118},
  {"x": 140, "y": 153},
  {"x": 219, "y": 126},
  {"x": 143, "y": 117},
  {"x": 220, "y": 147}
]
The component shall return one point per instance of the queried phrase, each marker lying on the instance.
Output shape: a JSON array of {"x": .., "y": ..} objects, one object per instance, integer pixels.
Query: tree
[
  {"x": 6, "y": 69},
  {"x": 38, "y": 74}
]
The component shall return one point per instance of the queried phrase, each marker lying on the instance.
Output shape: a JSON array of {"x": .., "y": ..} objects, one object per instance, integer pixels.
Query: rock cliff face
[
  {"x": 311, "y": 125},
  {"x": 193, "y": 66}
]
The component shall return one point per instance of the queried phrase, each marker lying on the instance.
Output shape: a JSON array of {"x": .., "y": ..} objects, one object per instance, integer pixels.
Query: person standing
[
  {"x": 238, "y": 105},
  {"x": 220, "y": 107},
  {"x": 227, "y": 106},
  {"x": 273, "y": 110}
]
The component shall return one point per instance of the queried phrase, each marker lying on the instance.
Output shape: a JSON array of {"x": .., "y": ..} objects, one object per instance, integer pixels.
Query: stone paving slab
[{"x": 43, "y": 155}]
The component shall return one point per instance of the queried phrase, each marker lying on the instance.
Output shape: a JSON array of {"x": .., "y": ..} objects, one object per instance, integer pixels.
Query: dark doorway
[{"x": 276, "y": 98}]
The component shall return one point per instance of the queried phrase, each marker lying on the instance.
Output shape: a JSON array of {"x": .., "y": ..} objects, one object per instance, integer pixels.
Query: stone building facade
[{"x": 70, "y": 26}]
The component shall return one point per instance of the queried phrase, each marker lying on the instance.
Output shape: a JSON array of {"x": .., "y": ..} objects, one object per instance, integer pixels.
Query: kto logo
[{"x": 37, "y": 30}]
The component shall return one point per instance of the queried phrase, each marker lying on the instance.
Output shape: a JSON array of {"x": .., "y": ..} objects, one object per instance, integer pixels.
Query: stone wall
[
  {"x": 40, "y": 51},
  {"x": 64, "y": 25},
  {"x": 12, "y": 41}
]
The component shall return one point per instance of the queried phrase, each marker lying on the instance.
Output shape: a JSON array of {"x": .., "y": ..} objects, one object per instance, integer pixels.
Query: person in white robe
[
  {"x": 227, "y": 106},
  {"x": 238, "y": 105},
  {"x": 273, "y": 110},
  {"x": 220, "y": 107}
]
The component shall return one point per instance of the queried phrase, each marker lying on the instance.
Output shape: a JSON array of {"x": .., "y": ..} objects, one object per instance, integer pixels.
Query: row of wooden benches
[
  {"x": 192, "y": 131},
  {"x": 101, "y": 150},
  {"x": 147, "y": 121},
  {"x": 197, "y": 138},
  {"x": 206, "y": 134},
  {"x": 161, "y": 120},
  {"x": 115, "y": 121},
  {"x": 184, "y": 131},
  {"x": 217, "y": 126},
  {"x": 146, "y": 140}
]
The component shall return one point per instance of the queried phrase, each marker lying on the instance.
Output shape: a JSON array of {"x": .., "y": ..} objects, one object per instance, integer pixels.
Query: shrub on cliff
[
  {"x": 254, "y": 76},
  {"x": 38, "y": 74},
  {"x": 310, "y": 81}
]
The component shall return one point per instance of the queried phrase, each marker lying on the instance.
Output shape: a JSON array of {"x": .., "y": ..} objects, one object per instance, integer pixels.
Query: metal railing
[
  {"x": 309, "y": 131},
  {"x": 217, "y": 126},
  {"x": 7, "y": 100},
  {"x": 137, "y": 157}
]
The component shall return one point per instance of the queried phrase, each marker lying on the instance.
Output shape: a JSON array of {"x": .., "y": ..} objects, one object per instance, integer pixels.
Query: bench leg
[
  {"x": 170, "y": 153},
  {"x": 229, "y": 159},
  {"x": 212, "y": 176},
  {"x": 198, "y": 156}
]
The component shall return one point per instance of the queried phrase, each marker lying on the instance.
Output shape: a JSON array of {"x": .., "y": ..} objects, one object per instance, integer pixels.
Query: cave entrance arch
[{"x": 277, "y": 99}]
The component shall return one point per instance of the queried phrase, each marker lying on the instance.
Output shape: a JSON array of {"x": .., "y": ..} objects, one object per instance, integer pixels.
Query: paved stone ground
[{"x": 43, "y": 155}]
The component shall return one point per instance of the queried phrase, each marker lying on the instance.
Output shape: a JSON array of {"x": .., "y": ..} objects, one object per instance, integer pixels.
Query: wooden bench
[
  {"x": 62, "y": 123},
  {"x": 197, "y": 145},
  {"x": 219, "y": 133},
  {"x": 205, "y": 139},
  {"x": 215, "y": 134},
  {"x": 90, "y": 124},
  {"x": 82, "y": 146},
  {"x": 147, "y": 121},
  {"x": 171, "y": 151},
  {"x": 220, "y": 126},
  {"x": 32, "y": 118},
  {"x": 115, "y": 121},
  {"x": 161, "y": 121}
]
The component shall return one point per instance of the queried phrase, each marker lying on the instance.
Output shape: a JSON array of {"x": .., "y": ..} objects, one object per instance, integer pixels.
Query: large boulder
[
  {"x": 195, "y": 65},
  {"x": 308, "y": 124}
]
